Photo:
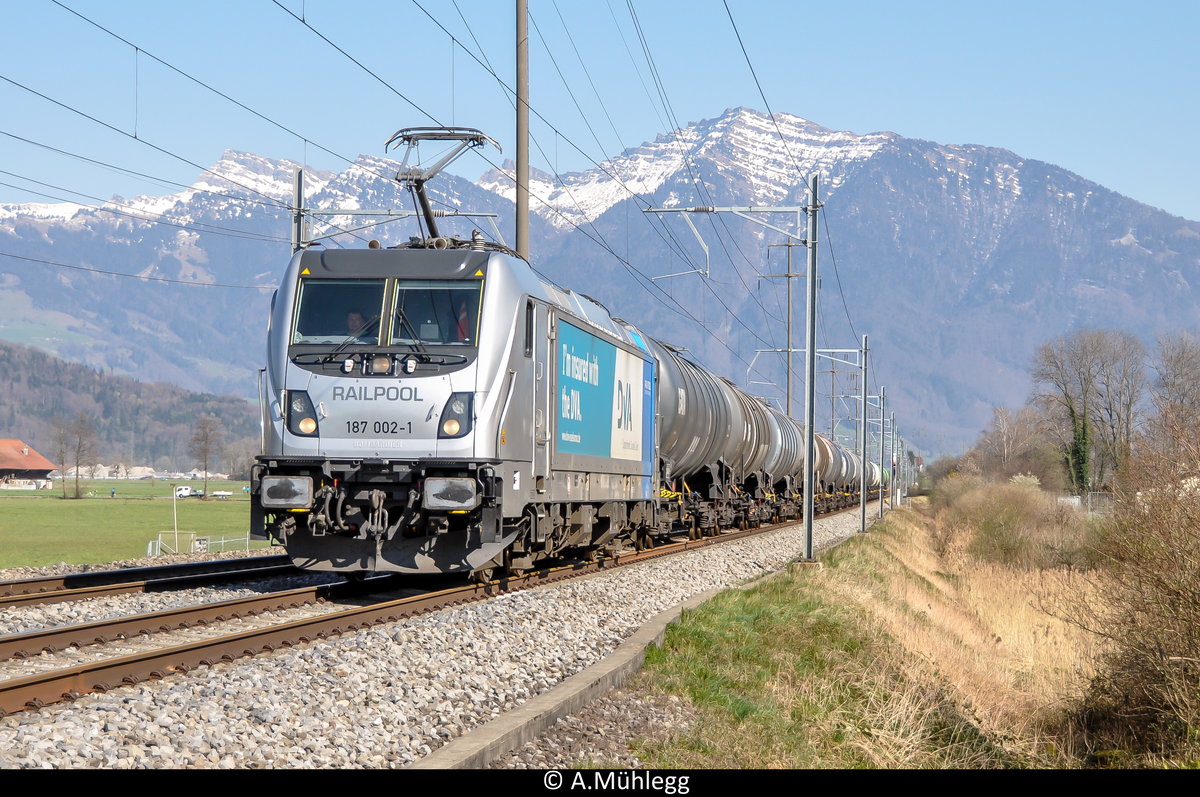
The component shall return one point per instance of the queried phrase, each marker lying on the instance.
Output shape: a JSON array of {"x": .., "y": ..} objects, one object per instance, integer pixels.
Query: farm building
[{"x": 19, "y": 462}]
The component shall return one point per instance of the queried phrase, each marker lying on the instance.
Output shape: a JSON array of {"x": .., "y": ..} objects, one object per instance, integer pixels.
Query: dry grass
[
  {"x": 783, "y": 676},
  {"x": 913, "y": 647},
  {"x": 982, "y": 629}
]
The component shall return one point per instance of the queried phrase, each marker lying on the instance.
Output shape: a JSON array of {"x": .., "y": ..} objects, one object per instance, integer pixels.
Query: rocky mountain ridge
[{"x": 957, "y": 260}]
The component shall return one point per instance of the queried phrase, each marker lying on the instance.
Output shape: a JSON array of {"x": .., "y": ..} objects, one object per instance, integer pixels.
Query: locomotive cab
[{"x": 370, "y": 457}]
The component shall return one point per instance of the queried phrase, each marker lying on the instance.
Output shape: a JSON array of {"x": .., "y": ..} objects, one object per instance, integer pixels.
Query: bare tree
[
  {"x": 1120, "y": 387},
  {"x": 205, "y": 444},
  {"x": 1177, "y": 374},
  {"x": 240, "y": 456},
  {"x": 1146, "y": 602},
  {"x": 62, "y": 447},
  {"x": 1064, "y": 376},
  {"x": 1090, "y": 383},
  {"x": 82, "y": 437},
  {"x": 1175, "y": 393},
  {"x": 1009, "y": 436}
]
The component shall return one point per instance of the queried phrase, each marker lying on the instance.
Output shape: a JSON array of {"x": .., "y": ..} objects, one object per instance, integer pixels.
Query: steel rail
[
  {"x": 52, "y": 640},
  {"x": 69, "y": 683},
  {"x": 65, "y": 594},
  {"x": 23, "y": 586}
]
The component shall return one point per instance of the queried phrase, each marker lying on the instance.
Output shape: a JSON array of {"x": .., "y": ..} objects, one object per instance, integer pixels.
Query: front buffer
[{"x": 422, "y": 516}]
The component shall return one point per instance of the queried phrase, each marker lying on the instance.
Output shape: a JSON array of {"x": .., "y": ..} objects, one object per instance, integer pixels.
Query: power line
[
  {"x": 788, "y": 150},
  {"x": 754, "y": 75},
  {"x": 219, "y": 93},
  {"x": 358, "y": 63},
  {"x": 595, "y": 239},
  {"x": 674, "y": 242},
  {"x": 161, "y": 180},
  {"x": 147, "y": 143},
  {"x": 163, "y": 218},
  {"x": 200, "y": 82},
  {"x": 701, "y": 189},
  {"x": 598, "y": 239},
  {"x": 510, "y": 93},
  {"x": 588, "y": 74},
  {"x": 272, "y": 201},
  {"x": 325, "y": 223},
  {"x": 833, "y": 257},
  {"x": 91, "y": 270}
]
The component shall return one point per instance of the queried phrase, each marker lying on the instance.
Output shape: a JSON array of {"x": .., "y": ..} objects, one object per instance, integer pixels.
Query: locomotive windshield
[
  {"x": 338, "y": 311},
  {"x": 436, "y": 312}
]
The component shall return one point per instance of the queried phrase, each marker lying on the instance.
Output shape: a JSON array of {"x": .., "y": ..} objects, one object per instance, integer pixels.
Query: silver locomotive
[{"x": 438, "y": 407}]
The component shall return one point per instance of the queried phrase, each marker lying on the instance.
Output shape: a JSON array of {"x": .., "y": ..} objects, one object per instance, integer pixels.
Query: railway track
[
  {"x": 106, "y": 672},
  {"x": 77, "y": 586}
]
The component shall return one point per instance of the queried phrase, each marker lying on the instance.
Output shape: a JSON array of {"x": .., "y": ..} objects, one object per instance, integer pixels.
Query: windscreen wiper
[{"x": 353, "y": 338}]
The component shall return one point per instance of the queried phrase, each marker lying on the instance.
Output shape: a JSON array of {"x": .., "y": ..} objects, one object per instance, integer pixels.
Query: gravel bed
[
  {"x": 599, "y": 735},
  {"x": 63, "y": 569},
  {"x": 389, "y": 695},
  {"x": 142, "y": 643},
  {"x": 21, "y": 619}
]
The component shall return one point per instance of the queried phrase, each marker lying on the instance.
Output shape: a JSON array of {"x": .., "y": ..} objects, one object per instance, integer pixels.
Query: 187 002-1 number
[{"x": 378, "y": 427}]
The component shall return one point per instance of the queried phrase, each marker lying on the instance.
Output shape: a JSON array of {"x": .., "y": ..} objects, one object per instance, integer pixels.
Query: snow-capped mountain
[
  {"x": 957, "y": 260},
  {"x": 730, "y": 143}
]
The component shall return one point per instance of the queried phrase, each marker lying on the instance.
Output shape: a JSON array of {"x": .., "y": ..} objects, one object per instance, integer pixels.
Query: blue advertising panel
[
  {"x": 605, "y": 399},
  {"x": 586, "y": 365}
]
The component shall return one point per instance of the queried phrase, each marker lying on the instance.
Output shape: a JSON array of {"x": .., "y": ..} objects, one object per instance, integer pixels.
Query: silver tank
[
  {"x": 822, "y": 459},
  {"x": 842, "y": 469},
  {"x": 694, "y": 412},
  {"x": 855, "y": 478},
  {"x": 746, "y": 453},
  {"x": 872, "y": 476},
  {"x": 785, "y": 456}
]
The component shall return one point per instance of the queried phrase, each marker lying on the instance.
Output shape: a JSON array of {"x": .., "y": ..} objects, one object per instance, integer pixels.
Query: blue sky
[{"x": 1105, "y": 89}]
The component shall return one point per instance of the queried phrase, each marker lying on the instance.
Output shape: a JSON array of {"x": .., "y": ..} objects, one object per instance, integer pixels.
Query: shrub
[
  {"x": 1147, "y": 695},
  {"x": 1017, "y": 526},
  {"x": 949, "y": 489},
  {"x": 1027, "y": 480}
]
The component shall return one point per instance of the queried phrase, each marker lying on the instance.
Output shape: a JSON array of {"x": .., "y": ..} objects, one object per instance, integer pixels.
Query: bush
[
  {"x": 1147, "y": 695},
  {"x": 948, "y": 490},
  {"x": 1017, "y": 526},
  {"x": 1027, "y": 480}
]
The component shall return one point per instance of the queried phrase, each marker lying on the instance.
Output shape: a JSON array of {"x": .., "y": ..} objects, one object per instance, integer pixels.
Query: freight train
[{"x": 437, "y": 407}]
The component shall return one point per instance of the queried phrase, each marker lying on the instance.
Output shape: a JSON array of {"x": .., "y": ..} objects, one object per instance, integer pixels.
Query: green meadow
[{"x": 42, "y": 528}]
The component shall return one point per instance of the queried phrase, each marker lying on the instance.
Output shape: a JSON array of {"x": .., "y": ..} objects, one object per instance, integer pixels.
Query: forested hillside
[{"x": 136, "y": 423}]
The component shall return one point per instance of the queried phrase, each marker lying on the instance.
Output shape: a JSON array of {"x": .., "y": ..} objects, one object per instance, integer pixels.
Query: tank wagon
[{"x": 438, "y": 407}]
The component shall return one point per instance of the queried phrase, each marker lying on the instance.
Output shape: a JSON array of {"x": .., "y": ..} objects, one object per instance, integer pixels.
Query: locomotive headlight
[
  {"x": 301, "y": 415},
  {"x": 348, "y": 365},
  {"x": 381, "y": 364},
  {"x": 456, "y": 417},
  {"x": 410, "y": 364}
]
